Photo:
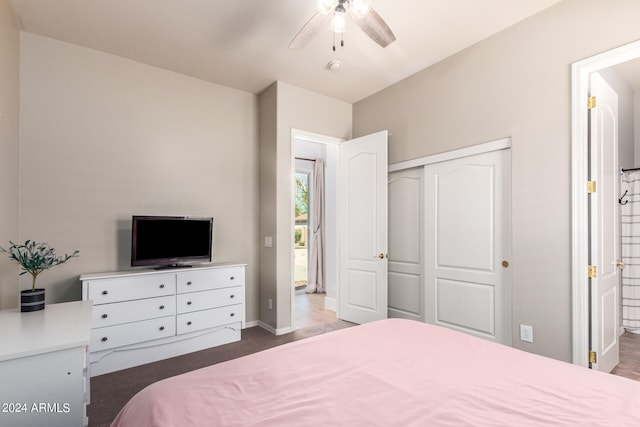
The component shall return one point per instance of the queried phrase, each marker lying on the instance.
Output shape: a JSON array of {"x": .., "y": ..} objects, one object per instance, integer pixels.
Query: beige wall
[
  {"x": 104, "y": 138},
  {"x": 295, "y": 108},
  {"x": 9, "y": 148},
  {"x": 517, "y": 84}
]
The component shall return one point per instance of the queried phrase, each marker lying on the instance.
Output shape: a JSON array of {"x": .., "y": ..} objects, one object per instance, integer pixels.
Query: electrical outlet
[
  {"x": 526, "y": 333},
  {"x": 270, "y": 303}
]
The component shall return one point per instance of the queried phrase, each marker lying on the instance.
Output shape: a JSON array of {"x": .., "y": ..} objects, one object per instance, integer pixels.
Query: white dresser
[
  {"x": 142, "y": 316},
  {"x": 43, "y": 357}
]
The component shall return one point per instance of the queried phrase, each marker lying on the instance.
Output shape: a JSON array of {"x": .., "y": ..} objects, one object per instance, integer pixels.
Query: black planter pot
[{"x": 32, "y": 300}]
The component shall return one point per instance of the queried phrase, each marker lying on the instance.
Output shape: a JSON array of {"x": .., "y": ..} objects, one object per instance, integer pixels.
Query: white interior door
[
  {"x": 362, "y": 213},
  {"x": 604, "y": 254},
  {"x": 468, "y": 245}
]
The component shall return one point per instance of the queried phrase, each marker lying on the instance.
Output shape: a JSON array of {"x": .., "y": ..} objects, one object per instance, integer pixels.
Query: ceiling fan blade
[
  {"x": 374, "y": 26},
  {"x": 309, "y": 30}
]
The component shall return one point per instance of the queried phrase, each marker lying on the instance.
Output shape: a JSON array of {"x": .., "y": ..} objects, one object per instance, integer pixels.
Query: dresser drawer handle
[
  {"x": 188, "y": 302},
  {"x": 232, "y": 314},
  {"x": 105, "y": 339},
  {"x": 232, "y": 277},
  {"x": 105, "y": 292},
  {"x": 189, "y": 283},
  {"x": 189, "y": 323},
  {"x": 162, "y": 328},
  {"x": 104, "y": 316},
  {"x": 162, "y": 286},
  {"x": 162, "y": 307}
]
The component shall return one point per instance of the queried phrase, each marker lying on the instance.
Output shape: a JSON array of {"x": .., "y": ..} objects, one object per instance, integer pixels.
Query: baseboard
[
  {"x": 330, "y": 304},
  {"x": 251, "y": 324},
  {"x": 273, "y": 330},
  {"x": 267, "y": 327}
]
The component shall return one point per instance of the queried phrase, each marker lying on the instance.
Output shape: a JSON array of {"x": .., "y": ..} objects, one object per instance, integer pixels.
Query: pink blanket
[{"x": 388, "y": 373}]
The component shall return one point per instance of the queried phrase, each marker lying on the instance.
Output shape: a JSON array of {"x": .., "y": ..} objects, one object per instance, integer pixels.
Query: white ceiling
[{"x": 244, "y": 43}]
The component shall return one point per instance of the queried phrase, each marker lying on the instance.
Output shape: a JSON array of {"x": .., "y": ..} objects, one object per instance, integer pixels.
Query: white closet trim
[{"x": 486, "y": 147}]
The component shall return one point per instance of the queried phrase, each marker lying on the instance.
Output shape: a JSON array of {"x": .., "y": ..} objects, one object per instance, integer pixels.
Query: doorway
[
  {"x": 302, "y": 222},
  {"x": 357, "y": 223},
  {"x": 310, "y": 309},
  {"x": 586, "y": 337}
]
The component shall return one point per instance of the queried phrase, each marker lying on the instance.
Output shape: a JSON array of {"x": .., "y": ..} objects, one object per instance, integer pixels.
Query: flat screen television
[{"x": 170, "y": 241}]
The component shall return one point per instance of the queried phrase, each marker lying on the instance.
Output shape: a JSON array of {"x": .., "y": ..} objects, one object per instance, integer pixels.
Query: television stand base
[{"x": 168, "y": 266}]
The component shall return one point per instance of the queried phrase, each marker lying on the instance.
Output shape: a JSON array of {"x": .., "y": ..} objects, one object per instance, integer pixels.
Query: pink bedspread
[{"x": 388, "y": 373}]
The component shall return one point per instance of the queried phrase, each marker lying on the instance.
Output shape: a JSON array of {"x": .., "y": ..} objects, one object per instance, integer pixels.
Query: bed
[{"x": 388, "y": 373}]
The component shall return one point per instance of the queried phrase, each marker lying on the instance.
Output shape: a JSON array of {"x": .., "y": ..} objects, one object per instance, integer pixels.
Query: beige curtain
[{"x": 316, "y": 261}]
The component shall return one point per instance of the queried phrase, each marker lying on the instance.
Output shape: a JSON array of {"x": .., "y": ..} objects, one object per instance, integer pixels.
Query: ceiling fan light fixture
[
  {"x": 360, "y": 8},
  {"x": 325, "y": 7},
  {"x": 332, "y": 12},
  {"x": 338, "y": 22}
]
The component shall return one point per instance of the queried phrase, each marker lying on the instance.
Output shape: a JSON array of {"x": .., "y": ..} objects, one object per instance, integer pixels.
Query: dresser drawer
[
  {"x": 104, "y": 291},
  {"x": 131, "y": 333},
  {"x": 198, "y": 320},
  {"x": 131, "y": 311},
  {"x": 196, "y": 301},
  {"x": 215, "y": 278}
]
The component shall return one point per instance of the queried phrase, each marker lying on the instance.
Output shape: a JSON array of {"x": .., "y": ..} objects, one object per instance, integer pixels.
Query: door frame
[
  {"x": 297, "y": 134},
  {"x": 580, "y": 72}
]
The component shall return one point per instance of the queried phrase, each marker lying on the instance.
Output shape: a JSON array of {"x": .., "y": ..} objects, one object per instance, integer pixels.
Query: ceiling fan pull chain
[{"x": 341, "y": 40}]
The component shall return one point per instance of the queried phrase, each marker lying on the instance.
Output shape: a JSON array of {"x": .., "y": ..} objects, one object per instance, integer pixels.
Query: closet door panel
[
  {"x": 406, "y": 244},
  {"x": 468, "y": 245}
]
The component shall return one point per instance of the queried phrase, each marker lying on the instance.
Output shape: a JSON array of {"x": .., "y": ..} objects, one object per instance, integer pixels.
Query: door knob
[
  {"x": 505, "y": 264},
  {"x": 380, "y": 255},
  {"x": 619, "y": 263}
]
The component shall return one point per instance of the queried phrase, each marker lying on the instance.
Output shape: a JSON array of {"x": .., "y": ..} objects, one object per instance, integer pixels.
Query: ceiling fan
[{"x": 334, "y": 11}]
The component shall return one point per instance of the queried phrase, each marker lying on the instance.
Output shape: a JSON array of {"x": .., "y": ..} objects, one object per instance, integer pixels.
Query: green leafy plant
[
  {"x": 34, "y": 257},
  {"x": 302, "y": 194}
]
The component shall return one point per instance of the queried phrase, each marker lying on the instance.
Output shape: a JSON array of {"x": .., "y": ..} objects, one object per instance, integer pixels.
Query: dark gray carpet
[{"x": 110, "y": 392}]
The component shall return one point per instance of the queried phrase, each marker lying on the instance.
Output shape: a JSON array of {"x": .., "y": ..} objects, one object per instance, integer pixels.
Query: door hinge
[
  {"x": 591, "y": 187},
  {"x": 591, "y": 271},
  {"x": 593, "y": 357},
  {"x": 591, "y": 102}
]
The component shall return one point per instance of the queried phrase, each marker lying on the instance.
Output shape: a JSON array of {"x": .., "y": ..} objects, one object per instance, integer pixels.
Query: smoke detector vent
[{"x": 334, "y": 65}]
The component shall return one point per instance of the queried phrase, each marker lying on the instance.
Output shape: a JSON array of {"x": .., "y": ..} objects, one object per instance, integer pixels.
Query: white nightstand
[{"x": 43, "y": 360}]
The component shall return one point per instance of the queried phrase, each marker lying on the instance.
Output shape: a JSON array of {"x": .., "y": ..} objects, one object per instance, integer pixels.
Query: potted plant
[{"x": 34, "y": 258}]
